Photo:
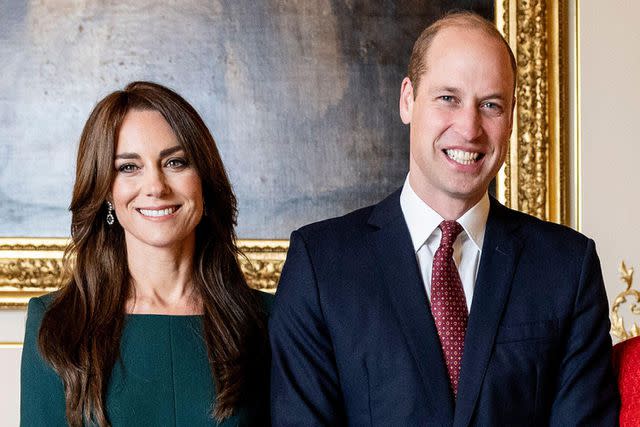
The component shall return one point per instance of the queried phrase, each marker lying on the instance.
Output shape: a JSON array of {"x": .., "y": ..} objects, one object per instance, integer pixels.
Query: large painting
[{"x": 301, "y": 96}]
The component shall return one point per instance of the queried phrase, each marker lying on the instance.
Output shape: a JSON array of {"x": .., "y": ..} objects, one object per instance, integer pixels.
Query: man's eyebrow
[
  {"x": 456, "y": 91},
  {"x": 164, "y": 153},
  {"x": 448, "y": 89},
  {"x": 495, "y": 96}
]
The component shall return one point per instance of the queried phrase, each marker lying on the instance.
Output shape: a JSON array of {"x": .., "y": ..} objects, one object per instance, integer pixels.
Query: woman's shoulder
[
  {"x": 266, "y": 299},
  {"x": 41, "y": 390},
  {"x": 43, "y": 301},
  {"x": 37, "y": 308}
]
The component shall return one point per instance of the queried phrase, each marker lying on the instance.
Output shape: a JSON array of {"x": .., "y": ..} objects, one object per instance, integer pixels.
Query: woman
[{"x": 156, "y": 324}]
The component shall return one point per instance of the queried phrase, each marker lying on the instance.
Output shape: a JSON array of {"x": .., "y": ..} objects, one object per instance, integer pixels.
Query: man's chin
[{"x": 466, "y": 194}]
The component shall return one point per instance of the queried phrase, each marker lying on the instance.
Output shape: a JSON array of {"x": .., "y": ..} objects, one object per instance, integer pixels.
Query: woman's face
[{"x": 157, "y": 193}]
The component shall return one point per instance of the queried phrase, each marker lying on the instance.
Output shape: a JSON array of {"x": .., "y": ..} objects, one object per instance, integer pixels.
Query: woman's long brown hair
[{"x": 81, "y": 330}]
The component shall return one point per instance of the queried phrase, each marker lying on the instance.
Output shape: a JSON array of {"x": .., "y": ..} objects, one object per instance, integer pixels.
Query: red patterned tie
[{"x": 448, "y": 304}]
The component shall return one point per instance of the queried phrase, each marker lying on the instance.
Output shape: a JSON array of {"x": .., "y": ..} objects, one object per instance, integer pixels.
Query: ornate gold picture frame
[
  {"x": 535, "y": 177},
  {"x": 32, "y": 267},
  {"x": 533, "y": 180}
]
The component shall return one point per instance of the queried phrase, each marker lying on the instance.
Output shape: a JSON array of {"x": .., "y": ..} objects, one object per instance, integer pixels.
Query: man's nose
[
  {"x": 155, "y": 184},
  {"x": 468, "y": 123}
]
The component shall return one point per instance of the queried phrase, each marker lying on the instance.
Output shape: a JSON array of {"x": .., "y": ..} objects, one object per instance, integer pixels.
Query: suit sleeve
[
  {"x": 587, "y": 392},
  {"x": 304, "y": 382},
  {"x": 41, "y": 390}
]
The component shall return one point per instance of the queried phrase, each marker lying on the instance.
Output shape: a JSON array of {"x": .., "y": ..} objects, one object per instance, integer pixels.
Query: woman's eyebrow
[
  {"x": 168, "y": 151},
  {"x": 164, "y": 153}
]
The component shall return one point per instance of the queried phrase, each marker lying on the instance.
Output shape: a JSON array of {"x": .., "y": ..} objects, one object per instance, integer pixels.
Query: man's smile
[{"x": 463, "y": 157}]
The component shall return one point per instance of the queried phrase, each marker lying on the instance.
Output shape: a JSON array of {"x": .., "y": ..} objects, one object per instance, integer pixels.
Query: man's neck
[{"x": 448, "y": 207}]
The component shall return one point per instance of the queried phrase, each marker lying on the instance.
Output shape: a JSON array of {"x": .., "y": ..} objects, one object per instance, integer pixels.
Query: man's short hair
[{"x": 464, "y": 19}]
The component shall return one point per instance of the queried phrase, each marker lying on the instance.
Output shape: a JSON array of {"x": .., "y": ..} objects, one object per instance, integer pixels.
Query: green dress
[{"x": 162, "y": 378}]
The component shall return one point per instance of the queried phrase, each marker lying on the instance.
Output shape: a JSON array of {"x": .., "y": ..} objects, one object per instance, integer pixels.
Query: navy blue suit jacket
[{"x": 354, "y": 342}]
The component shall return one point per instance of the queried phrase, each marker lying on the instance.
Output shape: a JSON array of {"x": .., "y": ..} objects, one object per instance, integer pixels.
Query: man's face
[{"x": 461, "y": 118}]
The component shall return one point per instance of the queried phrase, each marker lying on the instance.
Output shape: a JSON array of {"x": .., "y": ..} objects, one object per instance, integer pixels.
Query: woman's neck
[{"x": 162, "y": 279}]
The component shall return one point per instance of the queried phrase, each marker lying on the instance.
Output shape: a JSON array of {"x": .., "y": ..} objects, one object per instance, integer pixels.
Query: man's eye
[
  {"x": 491, "y": 105},
  {"x": 446, "y": 98},
  {"x": 127, "y": 168}
]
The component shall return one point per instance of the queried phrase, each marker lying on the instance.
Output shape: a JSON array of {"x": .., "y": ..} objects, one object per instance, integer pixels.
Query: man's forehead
[
  {"x": 471, "y": 47},
  {"x": 469, "y": 38}
]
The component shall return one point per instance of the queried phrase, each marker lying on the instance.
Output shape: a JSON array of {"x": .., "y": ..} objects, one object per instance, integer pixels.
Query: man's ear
[
  {"x": 406, "y": 101},
  {"x": 513, "y": 109}
]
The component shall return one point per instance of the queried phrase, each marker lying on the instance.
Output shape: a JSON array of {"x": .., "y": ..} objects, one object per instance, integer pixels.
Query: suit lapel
[
  {"x": 497, "y": 265},
  {"x": 393, "y": 252}
]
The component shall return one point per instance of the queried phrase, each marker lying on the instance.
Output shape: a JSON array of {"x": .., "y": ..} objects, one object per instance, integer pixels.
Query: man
[{"x": 439, "y": 306}]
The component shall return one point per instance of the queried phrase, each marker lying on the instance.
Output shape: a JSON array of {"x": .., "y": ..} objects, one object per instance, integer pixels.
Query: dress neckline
[{"x": 158, "y": 315}]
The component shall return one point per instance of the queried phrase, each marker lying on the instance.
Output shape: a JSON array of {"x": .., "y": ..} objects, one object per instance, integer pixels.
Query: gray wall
[{"x": 301, "y": 97}]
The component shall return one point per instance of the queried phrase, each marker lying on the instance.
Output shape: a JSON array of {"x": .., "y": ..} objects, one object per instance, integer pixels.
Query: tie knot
[{"x": 450, "y": 230}]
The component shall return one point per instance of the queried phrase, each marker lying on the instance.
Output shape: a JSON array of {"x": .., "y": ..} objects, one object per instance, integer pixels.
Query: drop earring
[{"x": 110, "y": 218}]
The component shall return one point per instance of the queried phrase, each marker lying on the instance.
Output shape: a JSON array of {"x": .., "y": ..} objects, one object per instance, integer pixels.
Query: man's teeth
[
  {"x": 462, "y": 157},
  {"x": 161, "y": 212}
]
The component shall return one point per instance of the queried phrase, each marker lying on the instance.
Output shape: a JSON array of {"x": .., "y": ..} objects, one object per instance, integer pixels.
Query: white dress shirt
[{"x": 423, "y": 223}]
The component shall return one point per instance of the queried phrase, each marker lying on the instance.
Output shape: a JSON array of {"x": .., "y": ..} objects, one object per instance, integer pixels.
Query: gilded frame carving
[
  {"x": 533, "y": 180},
  {"x": 33, "y": 266},
  {"x": 630, "y": 297}
]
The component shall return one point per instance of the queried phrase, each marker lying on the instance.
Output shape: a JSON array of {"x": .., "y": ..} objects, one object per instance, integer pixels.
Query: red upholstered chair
[{"x": 626, "y": 360}]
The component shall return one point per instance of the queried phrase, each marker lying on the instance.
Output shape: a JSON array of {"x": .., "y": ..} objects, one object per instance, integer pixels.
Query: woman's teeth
[{"x": 159, "y": 212}]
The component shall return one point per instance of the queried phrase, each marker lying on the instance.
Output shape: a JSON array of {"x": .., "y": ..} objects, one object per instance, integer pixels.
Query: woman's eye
[
  {"x": 127, "y": 168},
  {"x": 177, "y": 163}
]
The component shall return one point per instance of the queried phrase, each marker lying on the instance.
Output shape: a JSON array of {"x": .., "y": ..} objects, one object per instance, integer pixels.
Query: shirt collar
[{"x": 422, "y": 220}]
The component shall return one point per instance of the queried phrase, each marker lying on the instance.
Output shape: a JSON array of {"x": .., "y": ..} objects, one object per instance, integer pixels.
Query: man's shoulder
[
  {"x": 352, "y": 222},
  {"x": 535, "y": 229},
  {"x": 355, "y": 223}
]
